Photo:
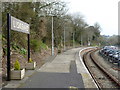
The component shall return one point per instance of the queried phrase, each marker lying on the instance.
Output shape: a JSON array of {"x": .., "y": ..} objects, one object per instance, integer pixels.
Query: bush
[
  {"x": 43, "y": 45},
  {"x": 0, "y": 36},
  {"x": 30, "y": 60},
  {"x": 23, "y": 51},
  {"x": 59, "y": 48},
  {"x": 17, "y": 65},
  {"x": 59, "y": 51},
  {"x": 15, "y": 46},
  {"x": 5, "y": 50},
  {"x": 35, "y": 45}
]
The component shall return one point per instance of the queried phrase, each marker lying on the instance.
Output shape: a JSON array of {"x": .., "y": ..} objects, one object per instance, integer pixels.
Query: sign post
[
  {"x": 8, "y": 46},
  {"x": 16, "y": 25},
  {"x": 28, "y": 47}
]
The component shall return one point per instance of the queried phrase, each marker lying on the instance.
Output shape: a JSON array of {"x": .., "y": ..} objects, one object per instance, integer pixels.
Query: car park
[
  {"x": 115, "y": 53},
  {"x": 106, "y": 52},
  {"x": 111, "y": 53},
  {"x": 116, "y": 58}
]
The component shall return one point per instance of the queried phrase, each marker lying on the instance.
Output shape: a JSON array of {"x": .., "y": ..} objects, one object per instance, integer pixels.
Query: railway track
[{"x": 101, "y": 76}]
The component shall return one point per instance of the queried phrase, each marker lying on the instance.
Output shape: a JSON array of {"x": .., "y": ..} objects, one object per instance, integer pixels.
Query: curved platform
[
  {"x": 66, "y": 70},
  {"x": 81, "y": 68}
]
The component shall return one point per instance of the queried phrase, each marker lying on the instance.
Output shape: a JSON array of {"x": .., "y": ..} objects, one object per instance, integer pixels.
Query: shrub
[
  {"x": 43, "y": 45},
  {"x": 59, "y": 51},
  {"x": 15, "y": 46},
  {"x": 17, "y": 65},
  {"x": 35, "y": 45},
  {"x": 30, "y": 60},
  {"x": 23, "y": 51},
  {"x": 59, "y": 48},
  {"x": 5, "y": 50}
]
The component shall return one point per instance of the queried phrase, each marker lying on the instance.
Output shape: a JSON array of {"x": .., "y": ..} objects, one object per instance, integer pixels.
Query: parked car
[
  {"x": 111, "y": 53},
  {"x": 116, "y": 58}
]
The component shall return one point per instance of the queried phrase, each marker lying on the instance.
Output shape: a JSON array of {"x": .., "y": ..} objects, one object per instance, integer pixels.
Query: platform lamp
[{"x": 50, "y": 15}]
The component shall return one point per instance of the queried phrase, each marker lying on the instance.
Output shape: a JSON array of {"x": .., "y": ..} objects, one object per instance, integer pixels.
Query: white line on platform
[{"x": 84, "y": 64}]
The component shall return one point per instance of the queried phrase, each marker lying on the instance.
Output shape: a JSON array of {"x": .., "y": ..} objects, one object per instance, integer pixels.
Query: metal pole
[
  {"x": 64, "y": 38},
  {"x": 81, "y": 40},
  {"x": 8, "y": 46},
  {"x": 88, "y": 41},
  {"x": 73, "y": 39},
  {"x": 52, "y": 38},
  {"x": 28, "y": 46}
]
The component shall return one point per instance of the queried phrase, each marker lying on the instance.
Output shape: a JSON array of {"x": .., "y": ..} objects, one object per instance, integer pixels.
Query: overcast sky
[{"x": 105, "y": 12}]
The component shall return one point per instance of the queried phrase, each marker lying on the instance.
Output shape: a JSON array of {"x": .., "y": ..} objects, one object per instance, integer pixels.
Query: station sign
[{"x": 18, "y": 25}]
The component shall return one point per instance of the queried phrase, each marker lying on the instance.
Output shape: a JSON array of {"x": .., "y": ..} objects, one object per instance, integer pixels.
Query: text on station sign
[{"x": 19, "y": 25}]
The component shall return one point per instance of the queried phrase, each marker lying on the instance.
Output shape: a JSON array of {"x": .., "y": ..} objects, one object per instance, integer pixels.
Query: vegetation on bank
[{"x": 39, "y": 16}]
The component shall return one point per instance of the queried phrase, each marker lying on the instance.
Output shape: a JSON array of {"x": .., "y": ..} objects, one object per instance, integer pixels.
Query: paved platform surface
[
  {"x": 55, "y": 80},
  {"x": 59, "y": 73},
  {"x": 64, "y": 71}
]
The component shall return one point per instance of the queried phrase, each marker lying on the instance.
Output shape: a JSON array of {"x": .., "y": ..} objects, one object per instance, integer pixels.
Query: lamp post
[
  {"x": 64, "y": 39},
  {"x": 52, "y": 38},
  {"x": 73, "y": 39},
  {"x": 52, "y": 47},
  {"x": 81, "y": 40},
  {"x": 65, "y": 20}
]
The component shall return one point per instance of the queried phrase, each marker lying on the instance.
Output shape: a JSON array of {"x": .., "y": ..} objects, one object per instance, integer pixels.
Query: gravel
[
  {"x": 100, "y": 77},
  {"x": 98, "y": 74},
  {"x": 106, "y": 64}
]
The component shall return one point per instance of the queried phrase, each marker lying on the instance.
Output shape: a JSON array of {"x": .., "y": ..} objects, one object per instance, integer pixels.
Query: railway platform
[{"x": 66, "y": 70}]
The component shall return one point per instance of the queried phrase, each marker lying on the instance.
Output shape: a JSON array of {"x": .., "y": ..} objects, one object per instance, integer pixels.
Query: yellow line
[{"x": 73, "y": 88}]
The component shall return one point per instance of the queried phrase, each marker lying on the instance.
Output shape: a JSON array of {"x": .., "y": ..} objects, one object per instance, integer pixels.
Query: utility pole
[{"x": 52, "y": 38}]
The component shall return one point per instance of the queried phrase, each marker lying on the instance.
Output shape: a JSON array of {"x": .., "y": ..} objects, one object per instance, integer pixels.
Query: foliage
[
  {"x": 23, "y": 51},
  {"x": 35, "y": 45},
  {"x": 39, "y": 16},
  {"x": 5, "y": 50},
  {"x": 17, "y": 65},
  {"x": 43, "y": 45},
  {"x": 59, "y": 51},
  {"x": 59, "y": 48},
  {"x": 110, "y": 40},
  {"x": 0, "y": 35}
]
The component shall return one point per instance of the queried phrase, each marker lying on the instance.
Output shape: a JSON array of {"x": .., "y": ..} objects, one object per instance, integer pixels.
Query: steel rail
[
  {"x": 93, "y": 76},
  {"x": 103, "y": 69}
]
